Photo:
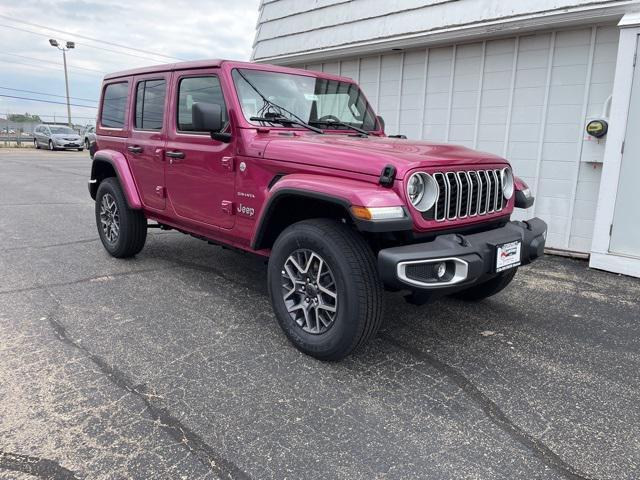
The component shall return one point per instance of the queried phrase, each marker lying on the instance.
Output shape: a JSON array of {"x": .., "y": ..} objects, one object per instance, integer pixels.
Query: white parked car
[{"x": 57, "y": 137}]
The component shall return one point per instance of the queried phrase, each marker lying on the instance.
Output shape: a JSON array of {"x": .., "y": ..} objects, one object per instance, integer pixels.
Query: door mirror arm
[{"x": 207, "y": 117}]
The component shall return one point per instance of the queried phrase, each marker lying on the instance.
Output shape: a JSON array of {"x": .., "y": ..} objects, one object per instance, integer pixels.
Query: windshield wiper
[
  {"x": 276, "y": 117},
  {"x": 282, "y": 120},
  {"x": 342, "y": 124}
]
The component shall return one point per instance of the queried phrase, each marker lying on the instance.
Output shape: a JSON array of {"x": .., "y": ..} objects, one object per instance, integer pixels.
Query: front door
[
  {"x": 625, "y": 232},
  {"x": 199, "y": 170},
  {"x": 145, "y": 145}
]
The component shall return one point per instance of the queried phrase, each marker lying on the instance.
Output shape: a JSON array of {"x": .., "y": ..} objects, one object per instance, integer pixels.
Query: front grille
[{"x": 466, "y": 194}]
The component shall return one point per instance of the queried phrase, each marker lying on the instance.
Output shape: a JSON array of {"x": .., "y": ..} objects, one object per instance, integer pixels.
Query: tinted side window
[
  {"x": 150, "y": 96},
  {"x": 114, "y": 104},
  {"x": 197, "y": 89}
]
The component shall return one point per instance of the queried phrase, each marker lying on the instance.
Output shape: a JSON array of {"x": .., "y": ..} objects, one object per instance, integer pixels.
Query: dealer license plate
[{"x": 507, "y": 255}]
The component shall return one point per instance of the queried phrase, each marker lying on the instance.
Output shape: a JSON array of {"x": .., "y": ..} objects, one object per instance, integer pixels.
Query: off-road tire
[
  {"x": 487, "y": 289},
  {"x": 132, "y": 223},
  {"x": 358, "y": 287}
]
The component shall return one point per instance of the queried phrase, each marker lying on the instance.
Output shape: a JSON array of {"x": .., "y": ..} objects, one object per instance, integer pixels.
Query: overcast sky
[{"x": 184, "y": 29}]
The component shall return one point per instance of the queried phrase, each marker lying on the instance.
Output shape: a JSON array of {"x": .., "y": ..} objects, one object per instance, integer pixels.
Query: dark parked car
[{"x": 57, "y": 137}]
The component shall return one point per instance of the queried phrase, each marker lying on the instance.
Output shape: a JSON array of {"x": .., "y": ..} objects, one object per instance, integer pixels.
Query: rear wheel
[
  {"x": 324, "y": 288},
  {"x": 487, "y": 289},
  {"x": 36, "y": 144},
  {"x": 86, "y": 143},
  {"x": 123, "y": 231}
]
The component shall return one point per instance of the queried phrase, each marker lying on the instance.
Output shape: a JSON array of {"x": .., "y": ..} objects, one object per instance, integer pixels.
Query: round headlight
[
  {"x": 506, "y": 176},
  {"x": 422, "y": 191}
]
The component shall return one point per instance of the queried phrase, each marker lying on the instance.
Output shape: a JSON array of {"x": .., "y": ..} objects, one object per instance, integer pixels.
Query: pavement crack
[
  {"x": 84, "y": 280},
  {"x": 36, "y": 466},
  {"x": 43, "y": 204},
  {"x": 493, "y": 412},
  {"x": 171, "y": 425},
  {"x": 52, "y": 245}
]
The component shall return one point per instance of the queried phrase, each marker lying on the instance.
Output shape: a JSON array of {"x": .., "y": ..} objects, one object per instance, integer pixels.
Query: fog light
[{"x": 440, "y": 269}]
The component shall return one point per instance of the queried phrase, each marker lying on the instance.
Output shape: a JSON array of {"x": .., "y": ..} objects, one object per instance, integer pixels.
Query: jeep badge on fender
[{"x": 340, "y": 210}]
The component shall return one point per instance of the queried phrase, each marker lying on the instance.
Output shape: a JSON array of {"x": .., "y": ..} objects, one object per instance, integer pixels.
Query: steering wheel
[{"x": 328, "y": 118}]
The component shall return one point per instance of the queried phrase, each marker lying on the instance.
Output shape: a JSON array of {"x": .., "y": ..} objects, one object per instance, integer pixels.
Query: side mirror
[
  {"x": 380, "y": 122},
  {"x": 207, "y": 117}
]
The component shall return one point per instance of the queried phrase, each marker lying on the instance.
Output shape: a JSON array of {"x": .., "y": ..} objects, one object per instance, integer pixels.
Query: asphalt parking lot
[{"x": 171, "y": 365}]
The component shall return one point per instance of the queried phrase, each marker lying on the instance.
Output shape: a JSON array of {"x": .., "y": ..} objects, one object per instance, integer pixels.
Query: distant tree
[{"x": 26, "y": 117}]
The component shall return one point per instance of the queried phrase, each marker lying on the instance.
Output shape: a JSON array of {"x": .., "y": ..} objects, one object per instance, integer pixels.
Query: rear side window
[
  {"x": 150, "y": 96},
  {"x": 198, "y": 89},
  {"x": 114, "y": 103}
]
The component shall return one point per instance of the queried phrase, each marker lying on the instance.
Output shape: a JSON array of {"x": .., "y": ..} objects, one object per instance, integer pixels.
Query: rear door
[
  {"x": 200, "y": 177},
  {"x": 146, "y": 142}
]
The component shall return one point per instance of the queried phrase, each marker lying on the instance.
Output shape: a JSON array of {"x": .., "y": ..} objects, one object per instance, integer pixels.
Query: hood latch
[{"x": 387, "y": 176}]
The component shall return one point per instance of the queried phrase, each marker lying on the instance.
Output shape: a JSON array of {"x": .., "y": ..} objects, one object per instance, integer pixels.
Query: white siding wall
[
  {"x": 290, "y": 27},
  {"x": 525, "y": 98}
]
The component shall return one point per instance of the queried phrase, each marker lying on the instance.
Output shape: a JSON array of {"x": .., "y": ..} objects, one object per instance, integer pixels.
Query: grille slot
[
  {"x": 422, "y": 272},
  {"x": 465, "y": 194}
]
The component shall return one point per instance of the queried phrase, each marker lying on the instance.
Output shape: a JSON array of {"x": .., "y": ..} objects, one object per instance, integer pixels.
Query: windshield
[
  {"x": 65, "y": 130},
  {"x": 314, "y": 100}
]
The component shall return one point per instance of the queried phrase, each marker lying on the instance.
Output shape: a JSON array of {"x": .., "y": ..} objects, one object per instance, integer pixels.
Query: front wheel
[
  {"x": 51, "y": 147},
  {"x": 123, "y": 231},
  {"x": 324, "y": 288},
  {"x": 487, "y": 289},
  {"x": 36, "y": 144}
]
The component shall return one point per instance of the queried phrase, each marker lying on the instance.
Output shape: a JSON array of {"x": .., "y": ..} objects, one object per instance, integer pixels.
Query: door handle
[
  {"x": 175, "y": 154},
  {"x": 135, "y": 149}
]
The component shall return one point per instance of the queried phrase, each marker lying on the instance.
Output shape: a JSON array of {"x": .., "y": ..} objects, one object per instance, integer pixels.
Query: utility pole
[{"x": 68, "y": 46}]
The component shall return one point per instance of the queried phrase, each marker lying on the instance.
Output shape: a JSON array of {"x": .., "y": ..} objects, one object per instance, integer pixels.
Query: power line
[
  {"x": 53, "y": 63},
  {"x": 46, "y": 67},
  {"x": 77, "y": 43},
  {"x": 77, "y": 35},
  {"x": 48, "y": 94},
  {"x": 47, "y": 101}
]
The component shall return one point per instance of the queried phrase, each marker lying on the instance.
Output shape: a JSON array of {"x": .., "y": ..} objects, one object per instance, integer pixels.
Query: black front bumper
[{"x": 470, "y": 258}]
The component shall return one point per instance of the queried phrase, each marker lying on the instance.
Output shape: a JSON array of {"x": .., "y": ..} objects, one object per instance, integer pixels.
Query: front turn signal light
[{"x": 377, "y": 213}]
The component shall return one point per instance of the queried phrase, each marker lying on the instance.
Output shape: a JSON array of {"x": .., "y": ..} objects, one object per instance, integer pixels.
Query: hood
[
  {"x": 75, "y": 136},
  {"x": 370, "y": 155}
]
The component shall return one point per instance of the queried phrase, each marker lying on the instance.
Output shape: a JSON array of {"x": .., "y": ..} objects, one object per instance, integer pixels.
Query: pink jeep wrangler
[{"x": 295, "y": 166}]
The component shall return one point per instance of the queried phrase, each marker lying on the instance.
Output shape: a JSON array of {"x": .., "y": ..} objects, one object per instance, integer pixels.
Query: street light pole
[
  {"x": 66, "y": 85},
  {"x": 69, "y": 46}
]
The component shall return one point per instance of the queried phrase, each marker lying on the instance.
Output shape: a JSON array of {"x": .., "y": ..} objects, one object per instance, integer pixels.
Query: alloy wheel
[
  {"x": 309, "y": 291},
  {"x": 109, "y": 218}
]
